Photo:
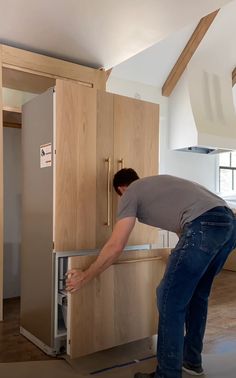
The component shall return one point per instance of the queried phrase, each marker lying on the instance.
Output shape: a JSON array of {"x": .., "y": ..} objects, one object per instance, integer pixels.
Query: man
[{"x": 207, "y": 230}]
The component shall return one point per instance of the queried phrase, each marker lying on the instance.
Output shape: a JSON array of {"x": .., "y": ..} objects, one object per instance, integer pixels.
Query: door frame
[{"x": 32, "y": 72}]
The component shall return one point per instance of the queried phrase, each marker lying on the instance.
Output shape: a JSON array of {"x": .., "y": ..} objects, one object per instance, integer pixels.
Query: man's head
[{"x": 123, "y": 178}]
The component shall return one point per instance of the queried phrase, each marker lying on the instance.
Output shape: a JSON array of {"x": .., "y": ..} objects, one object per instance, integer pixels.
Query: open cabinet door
[
  {"x": 90, "y": 316},
  {"x": 75, "y": 178},
  {"x": 117, "y": 307},
  {"x": 1, "y": 194}
]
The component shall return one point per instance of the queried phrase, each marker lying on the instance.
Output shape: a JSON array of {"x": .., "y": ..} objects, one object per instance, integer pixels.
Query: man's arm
[{"x": 109, "y": 253}]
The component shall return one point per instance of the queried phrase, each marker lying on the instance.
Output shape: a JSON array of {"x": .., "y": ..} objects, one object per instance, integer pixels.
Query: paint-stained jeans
[{"x": 182, "y": 296}]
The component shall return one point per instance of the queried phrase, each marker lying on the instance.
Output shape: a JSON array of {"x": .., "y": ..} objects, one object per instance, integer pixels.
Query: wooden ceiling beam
[
  {"x": 187, "y": 53},
  {"x": 234, "y": 77}
]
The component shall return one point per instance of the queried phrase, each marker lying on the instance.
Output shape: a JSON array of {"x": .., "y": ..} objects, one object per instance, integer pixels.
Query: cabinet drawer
[{"x": 117, "y": 307}]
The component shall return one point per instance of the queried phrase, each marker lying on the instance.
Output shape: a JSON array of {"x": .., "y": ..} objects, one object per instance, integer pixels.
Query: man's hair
[{"x": 124, "y": 177}]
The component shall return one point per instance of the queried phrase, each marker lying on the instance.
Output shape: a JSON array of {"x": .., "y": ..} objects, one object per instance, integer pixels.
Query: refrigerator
[{"x": 37, "y": 317}]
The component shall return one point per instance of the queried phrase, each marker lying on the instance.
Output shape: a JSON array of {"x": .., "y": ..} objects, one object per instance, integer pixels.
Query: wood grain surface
[
  {"x": 75, "y": 202},
  {"x": 136, "y": 141},
  {"x": 117, "y": 307}
]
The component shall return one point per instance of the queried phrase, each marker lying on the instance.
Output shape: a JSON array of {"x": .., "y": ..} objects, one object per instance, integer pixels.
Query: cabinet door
[
  {"x": 75, "y": 178},
  {"x": 136, "y": 141},
  {"x": 117, "y": 307},
  {"x": 105, "y": 154},
  {"x": 90, "y": 319}
]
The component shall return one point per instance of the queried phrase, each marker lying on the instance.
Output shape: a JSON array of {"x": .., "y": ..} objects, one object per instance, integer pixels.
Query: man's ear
[{"x": 122, "y": 189}]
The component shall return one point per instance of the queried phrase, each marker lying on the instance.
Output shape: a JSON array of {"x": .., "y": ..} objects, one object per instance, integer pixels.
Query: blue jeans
[{"x": 182, "y": 296}]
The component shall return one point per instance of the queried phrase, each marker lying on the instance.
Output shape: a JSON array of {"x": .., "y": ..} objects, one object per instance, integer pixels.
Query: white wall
[
  {"x": 15, "y": 98},
  {"x": 12, "y": 211},
  {"x": 196, "y": 167}
]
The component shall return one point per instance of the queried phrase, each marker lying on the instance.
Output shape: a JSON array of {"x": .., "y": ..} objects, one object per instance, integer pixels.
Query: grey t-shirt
[{"x": 166, "y": 202}]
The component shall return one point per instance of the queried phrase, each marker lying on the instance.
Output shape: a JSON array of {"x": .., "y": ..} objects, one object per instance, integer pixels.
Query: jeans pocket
[{"x": 214, "y": 235}]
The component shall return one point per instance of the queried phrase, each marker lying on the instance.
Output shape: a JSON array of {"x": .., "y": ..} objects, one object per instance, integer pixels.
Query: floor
[
  {"x": 13, "y": 346},
  {"x": 222, "y": 367},
  {"x": 220, "y": 335}
]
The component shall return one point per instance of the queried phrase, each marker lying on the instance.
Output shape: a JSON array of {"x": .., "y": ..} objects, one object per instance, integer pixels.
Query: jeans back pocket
[{"x": 214, "y": 235}]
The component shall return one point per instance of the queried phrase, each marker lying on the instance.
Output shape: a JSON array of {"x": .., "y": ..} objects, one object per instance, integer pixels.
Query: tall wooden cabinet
[
  {"x": 127, "y": 136},
  {"x": 113, "y": 132},
  {"x": 69, "y": 209}
]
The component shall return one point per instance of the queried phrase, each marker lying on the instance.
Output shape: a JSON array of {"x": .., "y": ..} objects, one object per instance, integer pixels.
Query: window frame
[{"x": 230, "y": 168}]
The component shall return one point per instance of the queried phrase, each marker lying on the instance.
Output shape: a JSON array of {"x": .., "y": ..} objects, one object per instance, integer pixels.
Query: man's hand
[
  {"x": 109, "y": 253},
  {"x": 75, "y": 280}
]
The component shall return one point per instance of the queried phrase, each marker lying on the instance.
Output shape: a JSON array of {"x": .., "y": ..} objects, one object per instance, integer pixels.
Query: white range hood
[{"x": 202, "y": 113}]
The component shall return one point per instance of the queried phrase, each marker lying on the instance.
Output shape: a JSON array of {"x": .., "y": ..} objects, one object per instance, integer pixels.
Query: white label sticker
[{"x": 46, "y": 155}]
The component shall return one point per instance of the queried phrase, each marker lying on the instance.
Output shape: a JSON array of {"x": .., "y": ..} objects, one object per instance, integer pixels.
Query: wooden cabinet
[
  {"x": 94, "y": 134},
  {"x": 127, "y": 136},
  {"x": 98, "y": 133},
  {"x": 117, "y": 307},
  {"x": 69, "y": 205},
  {"x": 105, "y": 166},
  {"x": 75, "y": 167}
]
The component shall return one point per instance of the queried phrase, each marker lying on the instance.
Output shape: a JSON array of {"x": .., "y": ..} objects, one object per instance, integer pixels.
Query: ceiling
[
  {"x": 153, "y": 65},
  {"x": 216, "y": 52},
  {"x": 98, "y": 33}
]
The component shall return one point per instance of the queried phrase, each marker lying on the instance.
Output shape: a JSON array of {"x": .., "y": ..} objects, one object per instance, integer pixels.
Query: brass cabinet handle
[
  {"x": 121, "y": 163},
  {"x": 108, "y": 161}
]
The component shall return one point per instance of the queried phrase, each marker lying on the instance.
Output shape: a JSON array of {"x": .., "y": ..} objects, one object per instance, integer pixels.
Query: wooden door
[
  {"x": 136, "y": 142},
  {"x": 105, "y": 155},
  {"x": 91, "y": 312},
  {"x": 75, "y": 176},
  {"x": 117, "y": 307}
]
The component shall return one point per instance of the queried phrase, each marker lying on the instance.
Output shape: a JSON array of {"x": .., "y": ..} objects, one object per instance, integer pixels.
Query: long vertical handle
[
  {"x": 121, "y": 163},
  {"x": 108, "y": 161}
]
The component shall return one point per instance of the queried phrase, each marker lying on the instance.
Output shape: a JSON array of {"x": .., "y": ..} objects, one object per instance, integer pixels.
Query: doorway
[
  {"x": 12, "y": 210},
  {"x": 12, "y": 174}
]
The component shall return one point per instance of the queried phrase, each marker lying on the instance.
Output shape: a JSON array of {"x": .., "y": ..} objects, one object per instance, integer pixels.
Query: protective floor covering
[
  {"x": 215, "y": 366},
  {"x": 37, "y": 369},
  {"x": 220, "y": 366}
]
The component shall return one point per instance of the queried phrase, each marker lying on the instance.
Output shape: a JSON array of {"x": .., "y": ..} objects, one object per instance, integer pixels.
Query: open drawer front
[{"x": 117, "y": 307}]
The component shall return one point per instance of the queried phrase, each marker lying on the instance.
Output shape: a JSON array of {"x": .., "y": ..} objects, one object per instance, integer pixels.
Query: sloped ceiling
[
  {"x": 153, "y": 65},
  {"x": 96, "y": 33},
  {"x": 216, "y": 52}
]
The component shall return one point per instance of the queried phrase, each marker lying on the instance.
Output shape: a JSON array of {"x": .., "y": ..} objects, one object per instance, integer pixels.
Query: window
[{"x": 227, "y": 173}]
